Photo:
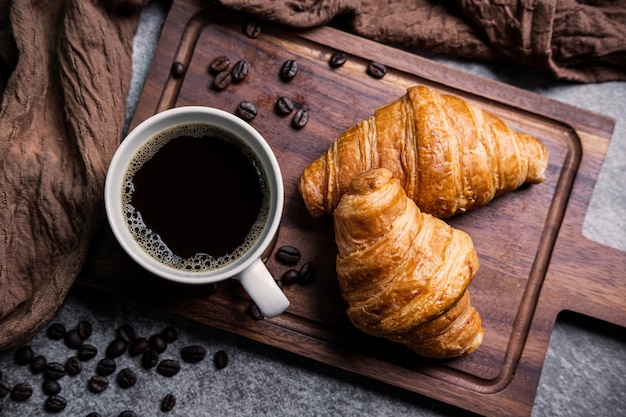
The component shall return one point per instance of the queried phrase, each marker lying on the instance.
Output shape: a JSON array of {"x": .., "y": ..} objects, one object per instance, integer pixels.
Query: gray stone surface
[{"x": 582, "y": 376}]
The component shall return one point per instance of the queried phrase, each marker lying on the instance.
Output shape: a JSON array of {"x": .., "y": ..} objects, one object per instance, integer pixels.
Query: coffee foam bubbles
[{"x": 150, "y": 241}]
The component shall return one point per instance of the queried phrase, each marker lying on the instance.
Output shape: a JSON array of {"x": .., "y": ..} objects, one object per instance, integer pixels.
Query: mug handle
[{"x": 261, "y": 287}]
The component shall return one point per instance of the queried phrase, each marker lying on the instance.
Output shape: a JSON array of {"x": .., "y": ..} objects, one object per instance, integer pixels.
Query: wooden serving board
[{"x": 534, "y": 260}]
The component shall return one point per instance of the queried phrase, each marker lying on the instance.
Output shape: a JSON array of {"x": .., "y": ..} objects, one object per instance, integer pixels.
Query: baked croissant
[
  {"x": 449, "y": 155},
  {"x": 403, "y": 273}
]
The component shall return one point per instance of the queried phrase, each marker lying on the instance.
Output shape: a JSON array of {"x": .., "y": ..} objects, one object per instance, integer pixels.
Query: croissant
[
  {"x": 449, "y": 155},
  {"x": 402, "y": 273}
]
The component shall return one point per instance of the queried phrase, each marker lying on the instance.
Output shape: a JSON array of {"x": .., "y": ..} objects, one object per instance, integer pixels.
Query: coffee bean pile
[{"x": 150, "y": 352}]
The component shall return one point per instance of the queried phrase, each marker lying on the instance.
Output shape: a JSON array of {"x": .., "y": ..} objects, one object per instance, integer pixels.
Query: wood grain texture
[{"x": 534, "y": 259}]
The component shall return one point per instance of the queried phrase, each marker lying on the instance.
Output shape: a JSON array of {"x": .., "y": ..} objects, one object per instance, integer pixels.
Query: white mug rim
[{"x": 147, "y": 130}]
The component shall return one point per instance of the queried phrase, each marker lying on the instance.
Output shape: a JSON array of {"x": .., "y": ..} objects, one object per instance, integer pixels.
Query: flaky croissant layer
[
  {"x": 403, "y": 273},
  {"x": 449, "y": 155}
]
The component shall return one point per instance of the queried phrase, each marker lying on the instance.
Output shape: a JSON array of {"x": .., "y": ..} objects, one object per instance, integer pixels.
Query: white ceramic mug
[{"x": 249, "y": 268}]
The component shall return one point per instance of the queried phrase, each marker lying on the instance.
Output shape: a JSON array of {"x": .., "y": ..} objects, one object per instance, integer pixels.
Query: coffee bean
[
  {"x": 219, "y": 64},
  {"x": 54, "y": 371},
  {"x": 87, "y": 352},
  {"x": 254, "y": 312},
  {"x": 126, "y": 332},
  {"x": 178, "y": 69},
  {"x": 193, "y": 353},
  {"x": 149, "y": 359},
  {"x": 307, "y": 273},
  {"x": 289, "y": 277},
  {"x": 252, "y": 29},
  {"x": 240, "y": 70},
  {"x": 337, "y": 59},
  {"x": 168, "y": 367},
  {"x": 72, "y": 339},
  {"x": 106, "y": 366},
  {"x": 127, "y": 413},
  {"x": 220, "y": 359},
  {"x": 116, "y": 348},
  {"x": 73, "y": 366},
  {"x": 56, "y": 331},
  {"x": 284, "y": 106},
  {"x": 97, "y": 383},
  {"x": 93, "y": 414},
  {"x": 126, "y": 378},
  {"x": 55, "y": 404},
  {"x": 84, "y": 329},
  {"x": 21, "y": 392},
  {"x": 138, "y": 346},
  {"x": 50, "y": 387},
  {"x": 288, "y": 255},
  {"x": 222, "y": 80},
  {"x": 288, "y": 70},
  {"x": 157, "y": 343},
  {"x": 246, "y": 110},
  {"x": 23, "y": 355},
  {"x": 300, "y": 119},
  {"x": 38, "y": 364},
  {"x": 376, "y": 70},
  {"x": 5, "y": 388},
  {"x": 169, "y": 334},
  {"x": 168, "y": 402}
]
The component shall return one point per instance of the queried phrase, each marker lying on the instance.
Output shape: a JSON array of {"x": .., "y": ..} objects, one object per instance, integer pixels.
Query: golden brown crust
[
  {"x": 404, "y": 274},
  {"x": 449, "y": 155}
]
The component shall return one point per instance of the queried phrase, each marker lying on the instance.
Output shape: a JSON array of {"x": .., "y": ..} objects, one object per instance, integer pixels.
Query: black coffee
[{"x": 196, "y": 197}]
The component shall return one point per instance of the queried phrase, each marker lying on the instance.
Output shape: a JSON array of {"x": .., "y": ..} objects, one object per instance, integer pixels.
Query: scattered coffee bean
[
  {"x": 38, "y": 364},
  {"x": 246, "y": 110},
  {"x": 169, "y": 334},
  {"x": 288, "y": 255},
  {"x": 376, "y": 70},
  {"x": 284, "y": 106},
  {"x": 149, "y": 359},
  {"x": 93, "y": 414},
  {"x": 50, "y": 387},
  {"x": 252, "y": 29},
  {"x": 86, "y": 352},
  {"x": 178, "y": 69},
  {"x": 337, "y": 59},
  {"x": 72, "y": 339},
  {"x": 219, "y": 64},
  {"x": 56, "y": 331},
  {"x": 126, "y": 378},
  {"x": 307, "y": 273},
  {"x": 97, "y": 383},
  {"x": 5, "y": 388},
  {"x": 54, "y": 371},
  {"x": 116, "y": 348},
  {"x": 288, "y": 70},
  {"x": 73, "y": 366},
  {"x": 106, "y": 367},
  {"x": 168, "y": 367},
  {"x": 157, "y": 343},
  {"x": 84, "y": 329},
  {"x": 254, "y": 312},
  {"x": 21, "y": 392},
  {"x": 220, "y": 359},
  {"x": 55, "y": 404},
  {"x": 138, "y": 346},
  {"x": 222, "y": 80},
  {"x": 240, "y": 70},
  {"x": 126, "y": 332},
  {"x": 168, "y": 402},
  {"x": 127, "y": 413},
  {"x": 300, "y": 119},
  {"x": 289, "y": 277},
  {"x": 279, "y": 284},
  {"x": 23, "y": 355},
  {"x": 193, "y": 353}
]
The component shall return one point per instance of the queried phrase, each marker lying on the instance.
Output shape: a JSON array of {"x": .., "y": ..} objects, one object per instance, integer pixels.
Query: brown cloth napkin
[
  {"x": 579, "y": 40},
  {"x": 65, "y": 69}
]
